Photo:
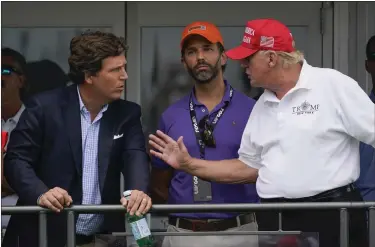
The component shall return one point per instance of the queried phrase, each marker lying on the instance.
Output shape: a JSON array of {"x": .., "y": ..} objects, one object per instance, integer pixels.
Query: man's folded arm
[{"x": 23, "y": 152}]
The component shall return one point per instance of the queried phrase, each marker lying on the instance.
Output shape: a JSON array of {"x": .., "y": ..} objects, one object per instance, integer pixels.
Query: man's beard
[{"x": 204, "y": 76}]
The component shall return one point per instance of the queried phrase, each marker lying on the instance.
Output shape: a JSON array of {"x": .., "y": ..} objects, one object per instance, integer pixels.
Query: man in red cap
[
  {"x": 301, "y": 141},
  {"x": 212, "y": 118}
]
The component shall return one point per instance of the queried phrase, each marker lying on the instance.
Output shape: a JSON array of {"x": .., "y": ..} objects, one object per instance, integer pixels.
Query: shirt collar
[
  {"x": 16, "y": 117},
  {"x": 226, "y": 97},
  {"x": 18, "y": 114},
  {"x": 302, "y": 83},
  {"x": 82, "y": 106}
]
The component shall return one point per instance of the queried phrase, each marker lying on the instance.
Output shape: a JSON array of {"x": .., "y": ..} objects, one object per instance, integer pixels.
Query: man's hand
[
  {"x": 171, "y": 152},
  {"x": 139, "y": 203},
  {"x": 55, "y": 199}
]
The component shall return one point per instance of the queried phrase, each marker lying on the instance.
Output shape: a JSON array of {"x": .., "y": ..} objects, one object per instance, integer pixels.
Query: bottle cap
[{"x": 127, "y": 193}]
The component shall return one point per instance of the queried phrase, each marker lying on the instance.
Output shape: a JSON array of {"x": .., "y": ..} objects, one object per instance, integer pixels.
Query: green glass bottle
[{"x": 139, "y": 226}]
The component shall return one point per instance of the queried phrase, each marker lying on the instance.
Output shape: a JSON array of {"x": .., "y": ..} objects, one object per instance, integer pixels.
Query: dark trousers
[{"x": 324, "y": 222}]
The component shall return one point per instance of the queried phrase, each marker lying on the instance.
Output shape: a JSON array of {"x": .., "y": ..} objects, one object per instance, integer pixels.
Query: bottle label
[{"x": 140, "y": 229}]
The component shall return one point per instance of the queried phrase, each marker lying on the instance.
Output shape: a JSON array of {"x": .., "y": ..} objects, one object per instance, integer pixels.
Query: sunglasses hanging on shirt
[{"x": 206, "y": 131}]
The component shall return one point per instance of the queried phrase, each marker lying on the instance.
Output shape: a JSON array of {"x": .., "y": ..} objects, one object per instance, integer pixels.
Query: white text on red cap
[
  {"x": 246, "y": 39},
  {"x": 250, "y": 31}
]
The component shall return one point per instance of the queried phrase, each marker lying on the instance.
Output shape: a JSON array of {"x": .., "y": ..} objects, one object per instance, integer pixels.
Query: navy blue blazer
[{"x": 45, "y": 151}]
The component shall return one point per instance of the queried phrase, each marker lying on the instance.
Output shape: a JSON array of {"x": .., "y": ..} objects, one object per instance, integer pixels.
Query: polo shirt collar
[
  {"x": 226, "y": 97},
  {"x": 302, "y": 83}
]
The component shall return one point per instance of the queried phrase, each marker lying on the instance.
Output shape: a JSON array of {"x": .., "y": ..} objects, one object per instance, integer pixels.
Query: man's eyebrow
[
  {"x": 194, "y": 47},
  {"x": 117, "y": 66}
]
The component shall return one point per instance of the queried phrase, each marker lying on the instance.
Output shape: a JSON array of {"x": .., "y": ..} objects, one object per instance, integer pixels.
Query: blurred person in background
[
  {"x": 212, "y": 118},
  {"x": 72, "y": 144},
  {"x": 44, "y": 75},
  {"x": 366, "y": 181},
  {"x": 13, "y": 85}
]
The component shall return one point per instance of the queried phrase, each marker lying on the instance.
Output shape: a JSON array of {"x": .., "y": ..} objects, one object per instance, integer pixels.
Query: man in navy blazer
[{"x": 71, "y": 145}]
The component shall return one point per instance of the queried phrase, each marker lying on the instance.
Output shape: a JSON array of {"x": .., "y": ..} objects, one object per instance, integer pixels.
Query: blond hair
[{"x": 287, "y": 58}]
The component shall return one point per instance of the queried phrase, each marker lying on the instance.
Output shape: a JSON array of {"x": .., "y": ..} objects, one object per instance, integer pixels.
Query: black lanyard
[{"x": 194, "y": 121}]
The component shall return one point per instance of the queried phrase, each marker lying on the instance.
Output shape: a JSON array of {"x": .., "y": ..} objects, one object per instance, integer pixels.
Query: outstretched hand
[{"x": 171, "y": 152}]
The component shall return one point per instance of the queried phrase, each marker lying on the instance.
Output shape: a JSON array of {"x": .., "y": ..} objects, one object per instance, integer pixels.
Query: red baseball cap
[
  {"x": 263, "y": 34},
  {"x": 205, "y": 29}
]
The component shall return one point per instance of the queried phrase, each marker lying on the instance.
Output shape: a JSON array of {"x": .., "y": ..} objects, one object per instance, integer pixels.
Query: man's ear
[
  {"x": 224, "y": 58},
  {"x": 88, "y": 78},
  {"x": 367, "y": 67},
  {"x": 273, "y": 59}
]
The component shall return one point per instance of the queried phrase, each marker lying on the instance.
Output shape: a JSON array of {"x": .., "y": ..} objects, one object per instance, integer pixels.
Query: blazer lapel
[
  {"x": 106, "y": 133},
  {"x": 72, "y": 118}
]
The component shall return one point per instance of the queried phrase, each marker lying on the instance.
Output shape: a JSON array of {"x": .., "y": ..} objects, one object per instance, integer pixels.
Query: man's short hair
[
  {"x": 88, "y": 50},
  {"x": 370, "y": 54},
  {"x": 18, "y": 58}
]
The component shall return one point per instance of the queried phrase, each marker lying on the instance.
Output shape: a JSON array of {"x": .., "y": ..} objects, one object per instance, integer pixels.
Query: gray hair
[{"x": 287, "y": 58}]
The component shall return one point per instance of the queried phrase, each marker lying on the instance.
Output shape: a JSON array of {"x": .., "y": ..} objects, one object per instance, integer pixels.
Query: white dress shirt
[
  {"x": 308, "y": 142},
  {"x": 11, "y": 123}
]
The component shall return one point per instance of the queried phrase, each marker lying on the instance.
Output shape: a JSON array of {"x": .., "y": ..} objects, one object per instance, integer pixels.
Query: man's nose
[
  {"x": 124, "y": 75},
  {"x": 200, "y": 55}
]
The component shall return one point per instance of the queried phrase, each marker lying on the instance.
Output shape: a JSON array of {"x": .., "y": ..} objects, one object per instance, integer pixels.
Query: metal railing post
[
  {"x": 344, "y": 228},
  {"x": 43, "y": 241},
  {"x": 280, "y": 221},
  {"x": 371, "y": 226},
  {"x": 71, "y": 229},
  {"x": 148, "y": 218}
]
